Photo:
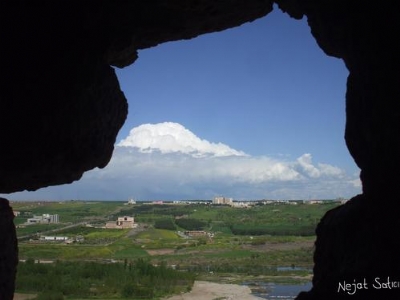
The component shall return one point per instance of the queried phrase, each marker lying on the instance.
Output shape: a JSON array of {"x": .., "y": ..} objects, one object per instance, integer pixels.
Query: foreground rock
[
  {"x": 61, "y": 105},
  {"x": 8, "y": 251}
]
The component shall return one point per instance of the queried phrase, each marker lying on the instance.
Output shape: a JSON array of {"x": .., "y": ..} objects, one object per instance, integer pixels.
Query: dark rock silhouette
[
  {"x": 61, "y": 108},
  {"x": 8, "y": 251},
  {"x": 358, "y": 242}
]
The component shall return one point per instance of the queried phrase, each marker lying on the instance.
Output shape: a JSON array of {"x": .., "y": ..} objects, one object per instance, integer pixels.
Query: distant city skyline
[{"x": 253, "y": 112}]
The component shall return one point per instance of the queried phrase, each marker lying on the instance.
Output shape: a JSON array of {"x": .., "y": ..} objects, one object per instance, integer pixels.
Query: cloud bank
[
  {"x": 169, "y": 137},
  {"x": 167, "y": 161}
]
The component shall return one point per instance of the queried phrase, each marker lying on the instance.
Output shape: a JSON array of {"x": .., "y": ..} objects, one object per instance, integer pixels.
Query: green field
[{"x": 252, "y": 241}]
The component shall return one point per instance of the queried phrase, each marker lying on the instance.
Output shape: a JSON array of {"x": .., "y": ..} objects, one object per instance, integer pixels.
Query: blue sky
[{"x": 252, "y": 112}]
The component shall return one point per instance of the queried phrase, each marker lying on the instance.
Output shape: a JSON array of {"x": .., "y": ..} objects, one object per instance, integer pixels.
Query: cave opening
[{"x": 66, "y": 72}]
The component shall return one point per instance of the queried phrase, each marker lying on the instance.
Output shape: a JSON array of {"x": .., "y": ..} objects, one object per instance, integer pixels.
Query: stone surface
[
  {"x": 61, "y": 106},
  {"x": 358, "y": 241},
  {"x": 8, "y": 251}
]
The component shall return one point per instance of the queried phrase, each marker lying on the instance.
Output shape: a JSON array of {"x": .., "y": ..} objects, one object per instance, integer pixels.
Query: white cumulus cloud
[
  {"x": 167, "y": 161},
  {"x": 169, "y": 137},
  {"x": 305, "y": 165}
]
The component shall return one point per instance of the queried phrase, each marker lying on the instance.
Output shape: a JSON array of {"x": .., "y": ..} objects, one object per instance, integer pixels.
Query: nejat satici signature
[{"x": 377, "y": 283}]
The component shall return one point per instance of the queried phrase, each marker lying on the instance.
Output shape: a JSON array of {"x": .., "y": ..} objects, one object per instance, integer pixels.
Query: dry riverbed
[
  {"x": 205, "y": 290},
  {"x": 18, "y": 296}
]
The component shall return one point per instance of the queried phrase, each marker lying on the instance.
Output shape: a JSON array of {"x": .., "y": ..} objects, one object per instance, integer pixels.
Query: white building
[
  {"x": 314, "y": 202},
  {"x": 131, "y": 202},
  {"x": 241, "y": 204},
  {"x": 53, "y": 238},
  {"x": 44, "y": 219},
  {"x": 222, "y": 200}
]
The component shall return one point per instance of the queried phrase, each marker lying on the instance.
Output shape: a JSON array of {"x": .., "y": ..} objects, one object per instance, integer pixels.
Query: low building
[
  {"x": 159, "y": 202},
  {"x": 314, "y": 202},
  {"x": 43, "y": 219},
  {"x": 241, "y": 204},
  {"x": 53, "y": 238},
  {"x": 195, "y": 233},
  {"x": 198, "y": 233},
  {"x": 122, "y": 223}
]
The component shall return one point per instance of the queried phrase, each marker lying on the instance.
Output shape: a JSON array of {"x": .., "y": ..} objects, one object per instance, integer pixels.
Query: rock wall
[
  {"x": 61, "y": 108},
  {"x": 357, "y": 243},
  {"x": 60, "y": 99},
  {"x": 8, "y": 251}
]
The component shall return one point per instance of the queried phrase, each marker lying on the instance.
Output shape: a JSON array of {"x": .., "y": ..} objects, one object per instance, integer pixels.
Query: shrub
[
  {"x": 191, "y": 224},
  {"x": 165, "y": 224}
]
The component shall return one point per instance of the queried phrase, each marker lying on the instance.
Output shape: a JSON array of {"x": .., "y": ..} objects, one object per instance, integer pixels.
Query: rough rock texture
[
  {"x": 8, "y": 251},
  {"x": 60, "y": 103},
  {"x": 61, "y": 108},
  {"x": 358, "y": 242}
]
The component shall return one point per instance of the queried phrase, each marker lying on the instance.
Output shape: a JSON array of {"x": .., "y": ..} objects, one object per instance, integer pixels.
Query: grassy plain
[{"x": 242, "y": 242}]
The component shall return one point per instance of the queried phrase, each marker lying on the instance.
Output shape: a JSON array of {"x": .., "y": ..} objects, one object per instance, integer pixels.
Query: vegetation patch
[
  {"x": 154, "y": 234},
  {"x": 167, "y": 224},
  {"x": 191, "y": 224},
  {"x": 137, "y": 279}
]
